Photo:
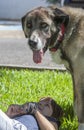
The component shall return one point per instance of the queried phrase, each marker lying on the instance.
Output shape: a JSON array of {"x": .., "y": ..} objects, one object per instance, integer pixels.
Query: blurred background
[{"x": 15, "y": 9}]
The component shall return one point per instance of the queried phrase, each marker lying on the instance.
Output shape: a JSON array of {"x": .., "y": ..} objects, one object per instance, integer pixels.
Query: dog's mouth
[
  {"x": 38, "y": 55},
  {"x": 38, "y": 48}
]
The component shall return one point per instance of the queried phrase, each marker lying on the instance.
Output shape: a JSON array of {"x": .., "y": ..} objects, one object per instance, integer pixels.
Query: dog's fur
[{"x": 43, "y": 28}]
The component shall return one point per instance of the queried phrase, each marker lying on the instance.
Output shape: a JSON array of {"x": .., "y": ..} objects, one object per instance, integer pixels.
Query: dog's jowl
[{"x": 61, "y": 30}]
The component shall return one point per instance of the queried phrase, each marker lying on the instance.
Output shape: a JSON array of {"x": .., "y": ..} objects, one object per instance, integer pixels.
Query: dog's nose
[{"x": 32, "y": 43}]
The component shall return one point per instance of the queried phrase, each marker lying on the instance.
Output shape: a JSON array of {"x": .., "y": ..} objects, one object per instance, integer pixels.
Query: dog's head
[{"x": 41, "y": 27}]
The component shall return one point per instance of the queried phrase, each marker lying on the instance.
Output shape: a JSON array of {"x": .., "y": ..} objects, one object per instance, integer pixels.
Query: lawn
[{"x": 20, "y": 86}]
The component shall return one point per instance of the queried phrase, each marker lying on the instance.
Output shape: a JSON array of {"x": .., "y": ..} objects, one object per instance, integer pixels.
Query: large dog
[{"x": 61, "y": 30}]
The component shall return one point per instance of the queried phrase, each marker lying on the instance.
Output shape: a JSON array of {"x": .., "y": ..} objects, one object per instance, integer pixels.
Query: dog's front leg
[{"x": 79, "y": 97}]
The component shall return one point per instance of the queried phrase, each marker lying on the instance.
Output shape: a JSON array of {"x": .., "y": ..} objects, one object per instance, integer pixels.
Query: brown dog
[{"x": 61, "y": 30}]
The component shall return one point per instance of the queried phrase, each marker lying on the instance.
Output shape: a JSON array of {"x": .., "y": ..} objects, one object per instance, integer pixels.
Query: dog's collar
[{"x": 59, "y": 38}]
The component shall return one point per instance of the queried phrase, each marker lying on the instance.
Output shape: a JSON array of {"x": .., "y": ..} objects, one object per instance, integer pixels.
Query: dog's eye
[
  {"x": 44, "y": 25},
  {"x": 29, "y": 25}
]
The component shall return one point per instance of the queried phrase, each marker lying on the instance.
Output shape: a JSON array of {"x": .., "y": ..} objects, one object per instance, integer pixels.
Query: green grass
[{"x": 20, "y": 86}]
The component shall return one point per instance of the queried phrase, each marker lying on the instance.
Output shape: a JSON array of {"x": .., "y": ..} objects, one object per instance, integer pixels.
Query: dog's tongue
[{"x": 37, "y": 56}]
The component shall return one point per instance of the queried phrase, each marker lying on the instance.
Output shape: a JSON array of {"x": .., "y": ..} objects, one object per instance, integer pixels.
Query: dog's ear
[
  {"x": 59, "y": 16},
  {"x": 23, "y": 25}
]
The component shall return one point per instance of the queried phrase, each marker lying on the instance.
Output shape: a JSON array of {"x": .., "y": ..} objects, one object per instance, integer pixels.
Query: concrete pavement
[{"x": 14, "y": 52}]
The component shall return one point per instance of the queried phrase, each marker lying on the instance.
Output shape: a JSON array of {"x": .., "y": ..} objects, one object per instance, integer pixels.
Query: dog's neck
[{"x": 59, "y": 38}]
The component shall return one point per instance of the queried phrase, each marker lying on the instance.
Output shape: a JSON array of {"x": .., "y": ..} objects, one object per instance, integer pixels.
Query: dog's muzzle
[
  {"x": 37, "y": 49},
  {"x": 32, "y": 44}
]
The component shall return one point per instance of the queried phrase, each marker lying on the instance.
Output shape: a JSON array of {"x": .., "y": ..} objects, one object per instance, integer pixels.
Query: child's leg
[{"x": 81, "y": 126}]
